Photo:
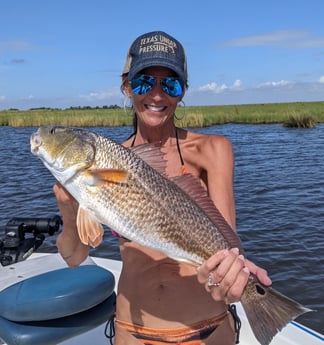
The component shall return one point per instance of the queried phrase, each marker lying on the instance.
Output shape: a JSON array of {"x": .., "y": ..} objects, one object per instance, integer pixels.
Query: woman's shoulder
[
  {"x": 128, "y": 142},
  {"x": 206, "y": 142},
  {"x": 203, "y": 153}
]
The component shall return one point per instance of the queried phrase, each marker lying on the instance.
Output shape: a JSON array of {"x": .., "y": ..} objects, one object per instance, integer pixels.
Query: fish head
[{"x": 65, "y": 151}]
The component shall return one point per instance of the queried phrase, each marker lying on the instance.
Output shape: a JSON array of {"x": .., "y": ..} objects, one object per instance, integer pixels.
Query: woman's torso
[
  {"x": 155, "y": 290},
  {"x": 159, "y": 292}
]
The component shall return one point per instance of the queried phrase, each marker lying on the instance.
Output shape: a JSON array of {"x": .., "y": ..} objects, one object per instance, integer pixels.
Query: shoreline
[{"x": 189, "y": 116}]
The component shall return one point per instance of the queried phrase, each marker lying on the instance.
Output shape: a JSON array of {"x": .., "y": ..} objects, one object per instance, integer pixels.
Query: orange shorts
[{"x": 190, "y": 335}]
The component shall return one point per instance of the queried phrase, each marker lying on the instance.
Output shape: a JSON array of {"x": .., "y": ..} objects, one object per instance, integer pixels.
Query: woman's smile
[{"x": 155, "y": 108}]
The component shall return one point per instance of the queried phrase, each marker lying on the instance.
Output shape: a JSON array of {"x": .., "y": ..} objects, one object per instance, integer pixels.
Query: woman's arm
[{"x": 226, "y": 267}]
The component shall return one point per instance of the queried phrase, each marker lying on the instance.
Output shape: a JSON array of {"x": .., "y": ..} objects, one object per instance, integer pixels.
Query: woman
[{"x": 161, "y": 301}]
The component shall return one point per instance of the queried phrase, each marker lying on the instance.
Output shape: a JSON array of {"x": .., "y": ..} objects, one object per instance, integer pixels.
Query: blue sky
[{"x": 67, "y": 53}]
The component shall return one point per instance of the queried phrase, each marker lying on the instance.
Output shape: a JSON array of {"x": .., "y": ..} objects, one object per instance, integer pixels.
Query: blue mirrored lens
[
  {"x": 142, "y": 84},
  {"x": 172, "y": 87}
]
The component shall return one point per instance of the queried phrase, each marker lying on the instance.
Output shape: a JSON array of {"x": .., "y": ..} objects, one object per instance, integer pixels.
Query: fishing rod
[{"x": 23, "y": 236}]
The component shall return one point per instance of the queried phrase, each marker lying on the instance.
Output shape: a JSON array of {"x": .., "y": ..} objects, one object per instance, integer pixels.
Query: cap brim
[{"x": 157, "y": 62}]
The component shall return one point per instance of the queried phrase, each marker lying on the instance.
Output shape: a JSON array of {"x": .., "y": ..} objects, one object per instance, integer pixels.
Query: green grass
[
  {"x": 67, "y": 117},
  {"x": 254, "y": 113},
  {"x": 193, "y": 116},
  {"x": 300, "y": 121}
]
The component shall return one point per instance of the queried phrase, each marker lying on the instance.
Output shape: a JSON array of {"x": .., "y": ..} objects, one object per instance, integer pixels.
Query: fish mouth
[{"x": 35, "y": 142}]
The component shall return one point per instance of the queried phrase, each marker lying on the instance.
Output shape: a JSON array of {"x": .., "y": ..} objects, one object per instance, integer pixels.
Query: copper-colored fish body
[{"x": 127, "y": 191}]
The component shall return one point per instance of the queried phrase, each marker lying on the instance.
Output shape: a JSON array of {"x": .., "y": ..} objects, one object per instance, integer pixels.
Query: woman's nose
[{"x": 157, "y": 91}]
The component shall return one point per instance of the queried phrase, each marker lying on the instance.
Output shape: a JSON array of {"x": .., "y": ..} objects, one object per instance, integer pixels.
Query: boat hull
[{"x": 293, "y": 334}]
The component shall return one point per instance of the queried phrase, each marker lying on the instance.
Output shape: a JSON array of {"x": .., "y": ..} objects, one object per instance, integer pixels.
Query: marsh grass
[
  {"x": 300, "y": 121},
  {"x": 66, "y": 117},
  {"x": 193, "y": 116}
]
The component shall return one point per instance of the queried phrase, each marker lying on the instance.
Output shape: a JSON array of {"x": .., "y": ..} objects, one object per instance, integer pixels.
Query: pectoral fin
[
  {"x": 98, "y": 176},
  {"x": 90, "y": 231}
]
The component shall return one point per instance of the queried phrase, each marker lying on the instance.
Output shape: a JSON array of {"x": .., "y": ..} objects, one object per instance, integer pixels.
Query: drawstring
[
  {"x": 237, "y": 322},
  {"x": 111, "y": 333}
]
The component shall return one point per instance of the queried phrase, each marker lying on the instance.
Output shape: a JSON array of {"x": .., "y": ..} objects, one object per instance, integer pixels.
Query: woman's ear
[{"x": 126, "y": 86}]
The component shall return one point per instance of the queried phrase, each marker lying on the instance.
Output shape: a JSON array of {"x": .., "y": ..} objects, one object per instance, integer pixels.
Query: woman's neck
[{"x": 164, "y": 134}]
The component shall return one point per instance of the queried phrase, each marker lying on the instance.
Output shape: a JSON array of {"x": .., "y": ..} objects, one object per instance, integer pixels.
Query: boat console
[
  {"x": 42, "y": 301},
  {"x": 23, "y": 236}
]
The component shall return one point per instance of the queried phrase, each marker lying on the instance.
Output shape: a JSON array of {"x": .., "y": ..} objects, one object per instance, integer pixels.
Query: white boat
[{"x": 17, "y": 333}]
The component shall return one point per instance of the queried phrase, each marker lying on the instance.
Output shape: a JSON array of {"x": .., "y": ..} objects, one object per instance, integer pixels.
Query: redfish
[{"x": 126, "y": 189}]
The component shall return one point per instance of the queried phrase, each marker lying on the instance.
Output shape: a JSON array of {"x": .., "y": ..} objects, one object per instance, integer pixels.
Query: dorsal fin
[
  {"x": 151, "y": 153},
  {"x": 193, "y": 188}
]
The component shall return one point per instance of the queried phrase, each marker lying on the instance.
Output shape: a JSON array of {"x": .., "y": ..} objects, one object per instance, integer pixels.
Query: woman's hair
[{"x": 122, "y": 89}]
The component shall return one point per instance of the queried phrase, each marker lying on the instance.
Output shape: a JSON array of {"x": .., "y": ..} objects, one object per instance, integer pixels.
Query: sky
[{"x": 69, "y": 53}]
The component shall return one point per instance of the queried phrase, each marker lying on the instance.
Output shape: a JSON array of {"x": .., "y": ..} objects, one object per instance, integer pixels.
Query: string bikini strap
[
  {"x": 178, "y": 147},
  {"x": 184, "y": 169},
  {"x": 133, "y": 141}
]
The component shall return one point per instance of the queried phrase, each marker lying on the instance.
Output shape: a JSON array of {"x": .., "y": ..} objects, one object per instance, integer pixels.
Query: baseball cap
[{"x": 156, "y": 48}]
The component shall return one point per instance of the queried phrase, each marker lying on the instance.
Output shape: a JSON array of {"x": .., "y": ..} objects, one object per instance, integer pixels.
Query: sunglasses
[{"x": 142, "y": 84}]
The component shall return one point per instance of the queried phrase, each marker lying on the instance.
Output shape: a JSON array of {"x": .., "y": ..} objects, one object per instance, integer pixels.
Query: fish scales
[
  {"x": 143, "y": 204},
  {"x": 114, "y": 186}
]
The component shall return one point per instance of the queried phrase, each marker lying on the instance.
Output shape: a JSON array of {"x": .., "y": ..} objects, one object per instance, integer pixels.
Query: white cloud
[
  {"x": 269, "y": 92},
  {"x": 2, "y": 98},
  {"x": 237, "y": 84},
  {"x": 282, "y": 38},
  {"x": 274, "y": 83},
  {"x": 16, "y": 46},
  {"x": 212, "y": 87},
  {"x": 28, "y": 98},
  {"x": 101, "y": 95},
  {"x": 215, "y": 88}
]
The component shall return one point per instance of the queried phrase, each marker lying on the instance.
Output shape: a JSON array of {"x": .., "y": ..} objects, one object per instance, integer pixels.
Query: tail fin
[{"x": 268, "y": 311}]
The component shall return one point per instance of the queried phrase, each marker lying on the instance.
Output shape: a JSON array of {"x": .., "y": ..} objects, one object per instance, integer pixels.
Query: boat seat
[{"x": 54, "y": 306}]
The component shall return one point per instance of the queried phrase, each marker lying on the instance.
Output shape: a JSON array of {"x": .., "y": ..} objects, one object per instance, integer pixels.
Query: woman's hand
[
  {"x": 259, "y": 272},
  {"x": 68, "y": 206},
  {"x": 226, "y": 273},
  {"x": 73, "y": 251}
]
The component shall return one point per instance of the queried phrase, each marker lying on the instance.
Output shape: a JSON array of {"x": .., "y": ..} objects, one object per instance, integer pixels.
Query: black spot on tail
[{"x": 260, "y": 290}]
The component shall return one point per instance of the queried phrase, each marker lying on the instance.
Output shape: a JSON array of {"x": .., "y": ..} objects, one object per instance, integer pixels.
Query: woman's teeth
[{"x": 155, "y": 108}]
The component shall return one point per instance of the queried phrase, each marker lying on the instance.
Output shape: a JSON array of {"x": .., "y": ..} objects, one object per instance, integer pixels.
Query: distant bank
[{"x": 298, "y": 114}]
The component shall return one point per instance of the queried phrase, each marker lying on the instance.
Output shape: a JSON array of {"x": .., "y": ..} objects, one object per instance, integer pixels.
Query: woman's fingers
[
  {"x": 224, "y": 275},
  {"x": 210, "y": 265},
  {"x": 260, "y": 273}
]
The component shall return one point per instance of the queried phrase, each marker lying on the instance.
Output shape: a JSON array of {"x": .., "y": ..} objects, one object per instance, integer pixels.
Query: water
[{"x": 279, "y": 189}]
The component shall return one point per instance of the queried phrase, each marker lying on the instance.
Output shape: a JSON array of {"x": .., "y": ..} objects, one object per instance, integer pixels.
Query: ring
[{"x": 210, "y": 282}]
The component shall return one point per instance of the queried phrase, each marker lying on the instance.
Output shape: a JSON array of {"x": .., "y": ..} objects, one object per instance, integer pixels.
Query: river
[{"x": 279, "y": 189}]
